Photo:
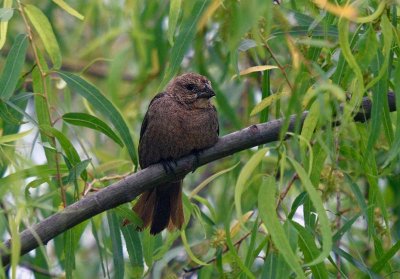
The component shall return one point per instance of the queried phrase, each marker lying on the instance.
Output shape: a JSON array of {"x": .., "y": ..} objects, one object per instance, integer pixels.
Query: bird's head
[{"x": 191, "y": 89}]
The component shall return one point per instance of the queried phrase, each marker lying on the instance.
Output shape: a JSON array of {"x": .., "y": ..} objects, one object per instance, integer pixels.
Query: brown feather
[{"x": 178, "y": 121}]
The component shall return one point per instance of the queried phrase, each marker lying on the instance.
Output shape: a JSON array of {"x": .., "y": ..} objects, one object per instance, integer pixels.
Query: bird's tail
[{"x": 161, "y": 207}]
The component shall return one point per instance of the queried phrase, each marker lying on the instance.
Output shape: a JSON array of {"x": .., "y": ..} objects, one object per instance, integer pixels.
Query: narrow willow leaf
[
  {"x": 134, "y": 248},
  {"x": 359, "y": 196},
  {"x": 267, "y": 209},
  {"x": 104, "y": 106},
  {"x": 250, "y": 256},
  {"x": 184, "y": 39},
  {"x": 6, "y": 14},
  {"x": 70, "y": 245},
  {"x": 101, "y": 248},
  {"x": 323, "y": 218},
  {"x": 35, "y": 183},
  {"x": 266, "y": 102},
  {"x": 347, "y": 226},
  {"x": 378, "y": 102},
  {"x": 395, "y": 147},
  {"x": 68, "y": 9},
  {"x": 69, "y": 149},
  {"x": 9, "y": 129},
  {"x": 275, "y": 267},
  {"x": 92, "y": 122},
  {"x": 358, "y": 264},
  {"x": 255, "y": 69},
  {"x": 203, "y": 184},
  {"x": 46, "y": 34},
  {"x": 386, "y": 28},
  {"x": 298, "y": 201},
  {"x": 189, "y": 251},
  {"x": 16, "y": 243},
  {"x": 233, "y": 253},
  {"x": 116, "y": 242},
  {"x": 7, "y": 4},
  {"x": 69, "y": 253},
  {"x": 127, "y": 213},
  {"x": 13, "y": 67},
  {"x": 348, "y": 55},
  {"x": 148, "y": 242},
  {"x": 244, "y": 176},
  {"x": 77, "y": 170},
  {"x": 14, "y": 137},
  {"x": 174, "y": 11},
  {"x": 6, "y": 116},
  {"x": 36, "y": 171},
  {"x": 374, "y": 15},
  {"x": 310, "y": 123},
  {"x": 310, "y": 251},
  {"x": 383, "y": 260}
]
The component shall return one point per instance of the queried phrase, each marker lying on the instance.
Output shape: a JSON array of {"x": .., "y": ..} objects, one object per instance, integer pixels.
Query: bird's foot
[
  {"x": 196, "y": 154},
  {"x": 168, "y": 165}
]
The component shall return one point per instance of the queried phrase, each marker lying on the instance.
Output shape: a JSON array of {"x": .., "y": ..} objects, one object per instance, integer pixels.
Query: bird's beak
[{"x": 207, "y": 93}]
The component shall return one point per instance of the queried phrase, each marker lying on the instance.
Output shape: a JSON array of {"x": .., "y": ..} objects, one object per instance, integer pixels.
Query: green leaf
[
  {"x": 69, "y": 149},
  {"x": 275, "y": 267},
  {"x": 205, "y": 182},
  {"x": 92, "y": 122},
  {"x": 7, "y": 4},
  {"x": 189, "y": 251},
  {"x": 13, "y": 67},
  {"x": 266, "y": 102},
  {"x": 174, "y": 11},
  {"x": 323, "y": 218},
  {"x": 34, "y": 184},
  {"x": 395, "y": 147},
  {"x": 69, "y": 253},
  {"x": 69, "y": 9},
  {"x": 104, "y": 106},
  {"x": 127, "y": 213},
  {"x": 310, "y": 251},
  {"x": 14, "y": 137},
  {"x": 185, "y": 37},
  {"x": 116, "y": 242},
  {"x": 266, "y": 205},
  {"x": 46, "y": 34},
  {"x": 244, "y": 176},
  {"x": 71, "y": 243},
  {"x": 6, "y": 14},
  {"x": 134, "y": 248},
  {"x": 348, "y": 55},
  {"x": 383, "y": 260},
  {"x": 77, "y": 170}
]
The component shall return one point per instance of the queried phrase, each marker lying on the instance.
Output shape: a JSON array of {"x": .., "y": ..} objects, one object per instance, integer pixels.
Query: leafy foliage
[{"x": 322, "y": 204}]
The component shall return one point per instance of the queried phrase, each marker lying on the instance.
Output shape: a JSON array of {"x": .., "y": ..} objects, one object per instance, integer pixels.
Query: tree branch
[{"x": 131, "y": 186}]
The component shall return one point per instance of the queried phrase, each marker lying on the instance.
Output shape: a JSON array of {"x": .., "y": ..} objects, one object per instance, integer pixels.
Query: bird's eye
[{"x": 190, "y": 86}]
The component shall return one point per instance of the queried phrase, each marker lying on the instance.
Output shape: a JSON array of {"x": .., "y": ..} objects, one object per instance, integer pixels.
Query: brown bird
[{"x": 178, "y": 122}]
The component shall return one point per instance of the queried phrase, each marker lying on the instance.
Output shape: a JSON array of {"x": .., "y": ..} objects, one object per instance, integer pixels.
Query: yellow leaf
[
  {"x": 266, "y": 102},
  {"x": 236, "y": 224},
  {"x": 69, "y": 9},
  {"x": 14, "y": 137},
  {"x": 4, "y": 24},
  {"x": 256, "y": 69},
  {"x": 347, "y": 11}
]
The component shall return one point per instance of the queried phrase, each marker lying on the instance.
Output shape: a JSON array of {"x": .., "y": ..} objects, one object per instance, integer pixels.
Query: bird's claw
[
  {"x": 196, "y": 154},
  {"x": 168, "y": 165}
]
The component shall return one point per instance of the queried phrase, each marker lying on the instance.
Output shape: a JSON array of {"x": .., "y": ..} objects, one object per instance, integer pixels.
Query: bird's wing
[
  {"x": 146, "y": 116},
  {"x": 216, "y": 118}
]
